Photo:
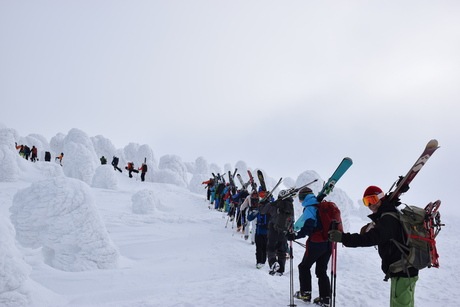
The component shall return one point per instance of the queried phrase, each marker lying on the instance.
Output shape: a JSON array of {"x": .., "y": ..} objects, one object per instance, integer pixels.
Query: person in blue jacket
[
  {"x": 260, "y": 238},
  {"x": 316, "y": 251}
]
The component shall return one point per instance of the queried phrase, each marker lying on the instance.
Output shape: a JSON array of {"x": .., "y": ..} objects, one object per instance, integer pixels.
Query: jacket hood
[{"x": 309, "y": 200}]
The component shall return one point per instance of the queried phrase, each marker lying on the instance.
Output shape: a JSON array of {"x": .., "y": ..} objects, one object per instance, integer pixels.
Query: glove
[
  {"x": 291, "y": 236},
  {"x": 264, "y": 201},
  {"x": 335, "y": 236},
  {"x": 405, "y": 187}
]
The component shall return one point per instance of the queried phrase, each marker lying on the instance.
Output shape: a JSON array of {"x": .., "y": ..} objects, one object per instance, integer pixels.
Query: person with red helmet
[{"x": 383, "y": 231}]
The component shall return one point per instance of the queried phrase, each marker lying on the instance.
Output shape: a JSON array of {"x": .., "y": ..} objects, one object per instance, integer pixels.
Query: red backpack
[{"x": 327, "y": 212}]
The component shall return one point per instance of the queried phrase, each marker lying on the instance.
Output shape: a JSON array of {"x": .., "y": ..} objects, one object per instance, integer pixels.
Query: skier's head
[
  {"x": 303, "y": 192},
  {"x": 282, "y": 193},
  {"x": 372, "y": 197}
]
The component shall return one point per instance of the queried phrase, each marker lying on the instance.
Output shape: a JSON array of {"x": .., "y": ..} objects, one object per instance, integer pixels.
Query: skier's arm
[{"x": 307, "y": 229}]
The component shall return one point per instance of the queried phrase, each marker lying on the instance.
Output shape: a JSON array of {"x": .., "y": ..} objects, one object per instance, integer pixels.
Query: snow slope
[{"x": 167, "y": 249}]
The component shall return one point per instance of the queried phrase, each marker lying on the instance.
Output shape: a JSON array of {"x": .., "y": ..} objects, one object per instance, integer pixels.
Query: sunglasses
[{"x": 372, "y": 199}]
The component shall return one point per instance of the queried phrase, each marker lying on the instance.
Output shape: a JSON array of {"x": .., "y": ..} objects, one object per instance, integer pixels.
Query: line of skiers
[
  {"x": 269, "y": 221},
  {"x": 272, "y": 224},
  {"x": 26, "y": 152},
  {"x": 32, "y": 153}
]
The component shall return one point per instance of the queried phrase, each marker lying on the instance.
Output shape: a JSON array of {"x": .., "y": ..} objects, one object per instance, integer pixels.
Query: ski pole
[
  {"x": 334, "y": 226},
  {"x": 291, "y": 273}
]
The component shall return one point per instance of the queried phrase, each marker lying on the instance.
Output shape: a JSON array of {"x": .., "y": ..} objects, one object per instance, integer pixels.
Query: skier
[
  {"x": 382, "y": 231},
  {"x": 115, "y": 164},
  {"x": 209, "y": 184},
  {"x": 280, "y": 212},
  {"x": 250, "y": 202},
  {"x": 34, "y": 152},
  {"x": 260, "y": 239},
  {"x": 318, "y": 251},
  {"x": 130, "y": 168},
  {"x": 143, "y": 170},
  {"x": 60, "y": 158},
  {"x": 103, "y": 160},
  {"x": 26, "y": 152}
]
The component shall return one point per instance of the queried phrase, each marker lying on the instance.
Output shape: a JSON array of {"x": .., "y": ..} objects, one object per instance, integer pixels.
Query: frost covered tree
[
  {"x": 201, "y": 174},
  {"x": 103, "y": 147},
  {"x": 172, "y": 170},
  {"x": 57, "y": 144},
  {"x": 80, "y": 159},
  {"x": 14, "y": 271},
  {"x": 59, "y": 215},
  {"x": 9, "y": 158},
  {"x": 214, "y": 168},
  {"x": 201, "y": 166}
]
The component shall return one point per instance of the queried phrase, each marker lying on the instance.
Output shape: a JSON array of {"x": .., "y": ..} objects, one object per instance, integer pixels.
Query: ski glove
[
  {"x": 335, "y": 236},
  {"x": 291, "y": 236}
]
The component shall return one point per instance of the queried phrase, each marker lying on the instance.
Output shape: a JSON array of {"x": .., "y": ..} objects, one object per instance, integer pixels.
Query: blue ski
[{"x": 327, "y": 188}]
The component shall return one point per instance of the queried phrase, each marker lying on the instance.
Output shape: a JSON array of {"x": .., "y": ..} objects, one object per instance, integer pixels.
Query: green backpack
[{"x": 420, "y": 226}]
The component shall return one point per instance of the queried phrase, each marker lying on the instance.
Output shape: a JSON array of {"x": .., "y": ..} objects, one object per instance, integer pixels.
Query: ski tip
[
  {"x": 348, "y": 158},
  {"x": 432, "y": 144}
]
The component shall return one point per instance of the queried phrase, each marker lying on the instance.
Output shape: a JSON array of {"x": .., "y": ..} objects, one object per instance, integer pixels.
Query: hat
[
  {"x": 303, "y": 192},
  {"x": 372, "y": 190}
]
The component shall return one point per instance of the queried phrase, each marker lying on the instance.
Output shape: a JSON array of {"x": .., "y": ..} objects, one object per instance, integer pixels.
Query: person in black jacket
[
  {"x": 277, "y": 241},
  {"x": 383, "y": 229}
]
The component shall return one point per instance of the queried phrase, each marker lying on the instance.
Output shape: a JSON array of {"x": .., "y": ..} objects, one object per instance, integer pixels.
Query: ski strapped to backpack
[
  {"x": 420, "y": 228},
  {"x": 338, "y": 173},
  {"x": 327, "y": 188},
  {"x": 269, "y": 195},
  {"x": 404, "y": 182},
  {"x": 252, "y": 182},
  {"x": 291, "y": 192},
  {"x": 260, "y": 175}
]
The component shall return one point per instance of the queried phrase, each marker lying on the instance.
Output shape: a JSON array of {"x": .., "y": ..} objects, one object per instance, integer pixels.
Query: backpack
[
  {"x": 327, "y": 212},
  {"x": 284, "y": 220},
  {"x": 420, "y": 228}
]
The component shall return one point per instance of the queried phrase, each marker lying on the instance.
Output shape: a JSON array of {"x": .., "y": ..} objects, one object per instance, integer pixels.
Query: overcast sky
[{"x": 286, "y": 86}]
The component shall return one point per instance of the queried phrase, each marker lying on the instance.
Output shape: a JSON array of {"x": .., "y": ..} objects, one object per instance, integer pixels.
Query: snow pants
[
  {"x": 276, "y": 249},
  {"x": 318, "y": 253},
  {"x": 261, "y": 248},
  {"x": 402, "y": 291}
]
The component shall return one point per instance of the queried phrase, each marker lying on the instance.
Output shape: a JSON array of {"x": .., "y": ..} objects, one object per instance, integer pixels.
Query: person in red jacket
[
  {"x": 143, "y": 170},
  {"x": 34, "y": 154}
]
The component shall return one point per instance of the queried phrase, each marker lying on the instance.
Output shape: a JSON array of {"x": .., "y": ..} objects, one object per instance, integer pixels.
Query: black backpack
[{"x": 284, "y": 219}]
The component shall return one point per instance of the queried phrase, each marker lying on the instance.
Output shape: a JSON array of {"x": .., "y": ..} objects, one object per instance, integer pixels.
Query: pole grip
[{"x": 334, "y": 225}]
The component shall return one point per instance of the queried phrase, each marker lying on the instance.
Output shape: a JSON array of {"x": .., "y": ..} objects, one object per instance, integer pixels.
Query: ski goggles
[{"x": 372, "y": 199}]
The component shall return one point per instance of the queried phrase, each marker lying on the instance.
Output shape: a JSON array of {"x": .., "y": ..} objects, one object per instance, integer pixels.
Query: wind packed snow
[{"x": 84, "y": 234}]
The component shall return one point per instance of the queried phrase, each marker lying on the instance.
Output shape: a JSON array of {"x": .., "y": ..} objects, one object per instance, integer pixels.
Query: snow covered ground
[{"x": 64, "y": 242}]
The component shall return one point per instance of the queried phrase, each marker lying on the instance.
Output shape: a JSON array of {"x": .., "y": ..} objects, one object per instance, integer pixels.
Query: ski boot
[
  {"x": 274, "y": 268},
  {"x": 321, "y": 301},
  {"x": 303, "y": 295}
]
